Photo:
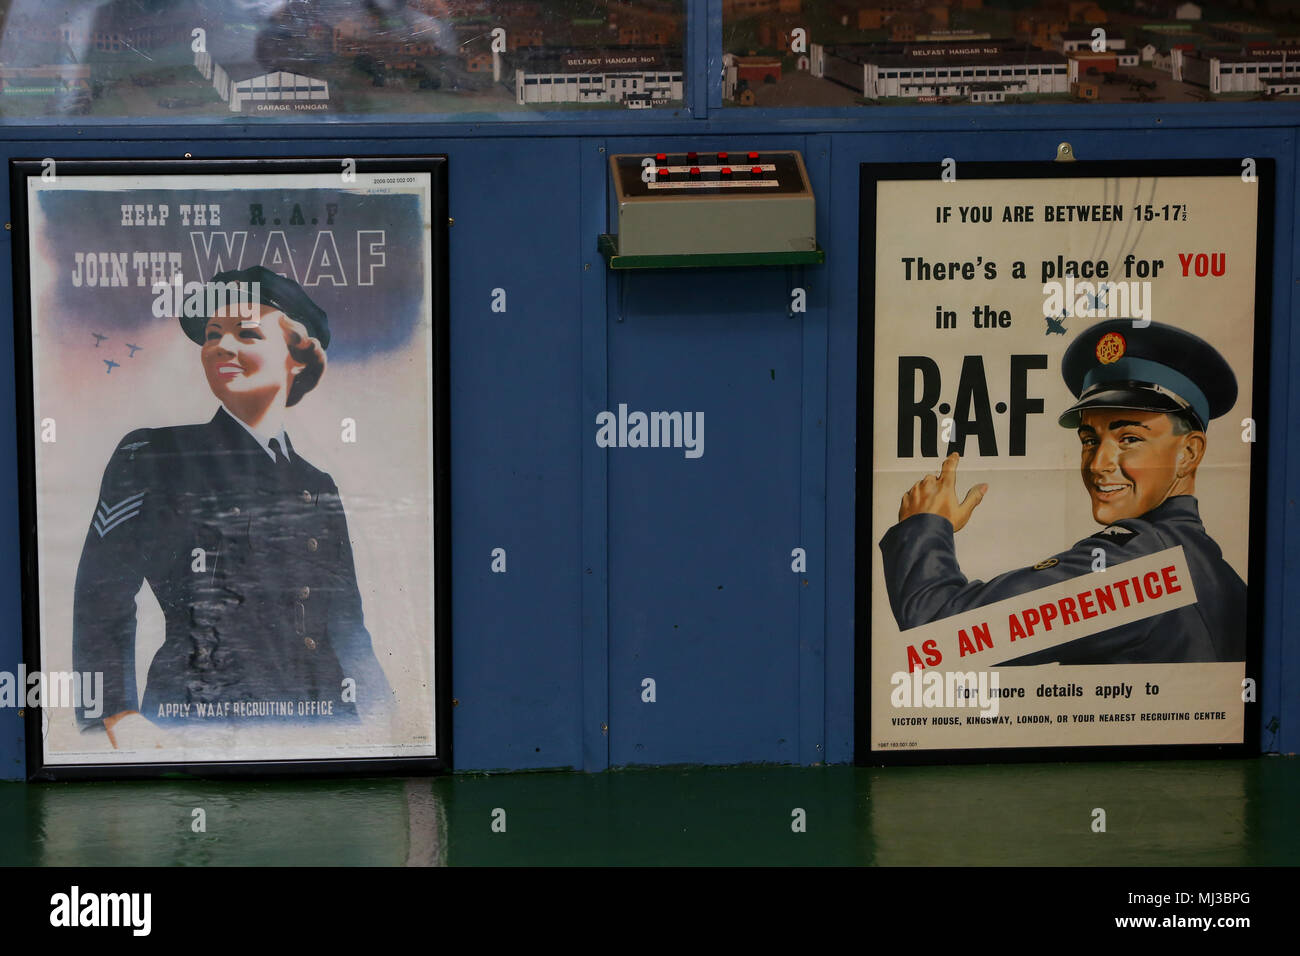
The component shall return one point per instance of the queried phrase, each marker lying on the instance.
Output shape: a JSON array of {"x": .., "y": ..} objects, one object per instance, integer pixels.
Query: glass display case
[
  {"x": 213, "y": 59},
  {"x": 819, "y": 53}
]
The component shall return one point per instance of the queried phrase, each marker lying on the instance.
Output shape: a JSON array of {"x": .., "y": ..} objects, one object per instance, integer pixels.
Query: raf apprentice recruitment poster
[
  {"x": 1061, "y": 438},
  {"x": 234, "y": 473}
]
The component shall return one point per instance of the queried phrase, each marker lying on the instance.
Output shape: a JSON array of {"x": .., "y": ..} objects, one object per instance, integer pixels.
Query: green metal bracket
[{"x": 608, "y": 246}]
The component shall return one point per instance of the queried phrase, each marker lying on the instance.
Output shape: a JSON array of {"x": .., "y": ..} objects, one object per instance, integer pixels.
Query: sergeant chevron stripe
[{"x": 108, "y": 517}]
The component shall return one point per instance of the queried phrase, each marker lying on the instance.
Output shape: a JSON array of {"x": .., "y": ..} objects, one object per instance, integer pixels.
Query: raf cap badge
[{"x": 1110, "y": 348}]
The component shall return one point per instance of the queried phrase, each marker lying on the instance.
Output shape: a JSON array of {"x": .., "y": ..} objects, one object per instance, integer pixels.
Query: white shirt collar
[{"x": 263, "y": 440}]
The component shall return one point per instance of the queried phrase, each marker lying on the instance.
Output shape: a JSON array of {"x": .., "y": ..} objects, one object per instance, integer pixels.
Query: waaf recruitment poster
[
  {"x": 234, "y": 414},
  {"x": 1060, "y": 412}
]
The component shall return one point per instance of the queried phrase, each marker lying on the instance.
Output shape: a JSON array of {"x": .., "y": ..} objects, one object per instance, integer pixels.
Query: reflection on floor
[{"x": 1168, "y": 813}]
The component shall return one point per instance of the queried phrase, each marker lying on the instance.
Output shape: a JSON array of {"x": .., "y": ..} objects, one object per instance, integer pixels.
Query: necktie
[{"x": 281, "y": 461}]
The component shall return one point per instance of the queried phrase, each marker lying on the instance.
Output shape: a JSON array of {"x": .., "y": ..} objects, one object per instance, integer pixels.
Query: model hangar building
[
  {"x": 1272, "y": 70},
  {"x": 985, "y": 70},
  {"x": 628, "y": 75},
  {"x": 245, "y": 87}
]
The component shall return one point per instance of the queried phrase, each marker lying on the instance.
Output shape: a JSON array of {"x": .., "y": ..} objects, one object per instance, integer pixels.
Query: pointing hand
[{"x": 937, "y": 495}]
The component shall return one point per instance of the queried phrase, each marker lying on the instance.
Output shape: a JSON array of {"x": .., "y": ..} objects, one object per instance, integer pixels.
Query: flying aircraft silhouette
[
  {"x": 98, "y": 338},
  {"x": 1055, "y": 326},
  {"x": 1098, "y": 301},
  {"x": 134, "y": 349},
  {"x": 111, "y": 365}
]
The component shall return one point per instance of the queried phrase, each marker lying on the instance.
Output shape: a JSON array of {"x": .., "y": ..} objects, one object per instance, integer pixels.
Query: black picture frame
[
  {"x": 435, "y": 167},
  {"x": 865, "y": 550}
]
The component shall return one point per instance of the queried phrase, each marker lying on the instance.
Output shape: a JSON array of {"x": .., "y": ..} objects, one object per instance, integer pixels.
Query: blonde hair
[{"x": 307, "y": 350}]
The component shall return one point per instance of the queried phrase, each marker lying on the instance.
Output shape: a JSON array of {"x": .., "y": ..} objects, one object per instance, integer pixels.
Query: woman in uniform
[{"x": 243, "y": 542}]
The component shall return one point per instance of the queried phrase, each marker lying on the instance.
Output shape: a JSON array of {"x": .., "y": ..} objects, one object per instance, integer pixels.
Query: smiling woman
[
  {"x": 243, "y": 542},
  {"x": 245, "y": 366}
]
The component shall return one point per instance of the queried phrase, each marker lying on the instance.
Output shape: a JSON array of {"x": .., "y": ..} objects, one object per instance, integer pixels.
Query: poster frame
[
  {"x": 435, "y": 166},
  {"x": 865, "y": 552}
]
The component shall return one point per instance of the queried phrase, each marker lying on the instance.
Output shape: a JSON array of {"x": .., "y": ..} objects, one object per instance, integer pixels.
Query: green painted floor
[{"x": 1230, "y": 813}]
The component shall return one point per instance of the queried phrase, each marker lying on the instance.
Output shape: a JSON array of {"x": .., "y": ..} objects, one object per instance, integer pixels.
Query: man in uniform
[
  {"x": 243, "y": 542},
  {"x": 1145, "y": 396}
]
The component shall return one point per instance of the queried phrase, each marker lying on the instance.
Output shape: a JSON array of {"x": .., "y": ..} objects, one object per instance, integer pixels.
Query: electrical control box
[{"x": 698, "y": 203}]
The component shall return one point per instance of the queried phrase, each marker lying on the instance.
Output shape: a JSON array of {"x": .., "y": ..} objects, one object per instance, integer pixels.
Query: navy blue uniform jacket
[
  {"x": 270, "y": 612},
  {"x": 925, "y": 584}
]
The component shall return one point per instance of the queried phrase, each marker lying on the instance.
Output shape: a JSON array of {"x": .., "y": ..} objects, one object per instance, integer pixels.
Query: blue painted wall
[{"x": 629, "y": 564}]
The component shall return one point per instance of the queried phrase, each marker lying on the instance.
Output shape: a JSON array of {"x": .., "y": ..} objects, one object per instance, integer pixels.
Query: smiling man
[{"x": 1145, "y": 398}]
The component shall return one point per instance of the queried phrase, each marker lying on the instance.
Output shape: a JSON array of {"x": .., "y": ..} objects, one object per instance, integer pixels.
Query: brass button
[
  {"x": 304, "y": 593},
  {"x": 312, "y": 544},
  {"x": 310, "y": 643},
  {"x": 306, "y": 496}
]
